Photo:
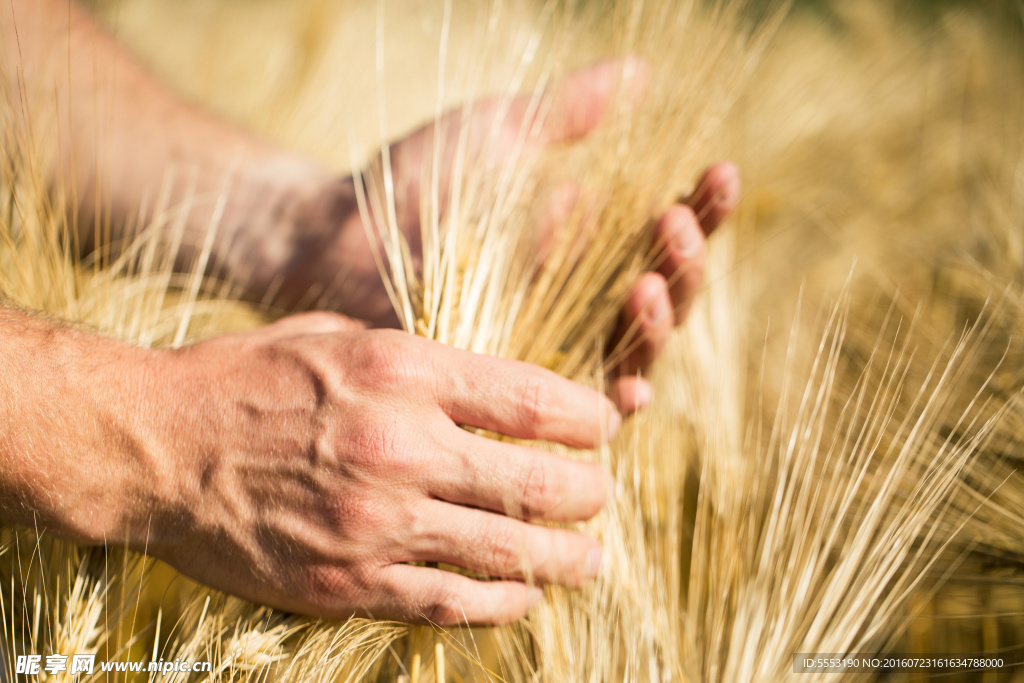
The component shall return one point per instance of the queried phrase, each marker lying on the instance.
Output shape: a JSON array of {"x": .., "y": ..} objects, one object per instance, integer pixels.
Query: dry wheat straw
[{"x": 763, "y": 506}]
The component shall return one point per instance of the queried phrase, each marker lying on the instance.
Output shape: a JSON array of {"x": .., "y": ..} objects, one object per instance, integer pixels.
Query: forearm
[
  {"x": 120, "y": 139},
  {"x": 75, "y": 455}
]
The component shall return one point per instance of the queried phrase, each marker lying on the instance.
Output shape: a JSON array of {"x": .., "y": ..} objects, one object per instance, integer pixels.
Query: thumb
[{"x": 580, "y": 100}]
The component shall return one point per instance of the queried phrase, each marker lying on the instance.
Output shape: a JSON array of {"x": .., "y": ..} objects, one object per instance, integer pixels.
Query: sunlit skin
[{"x": 304, "y": 464}]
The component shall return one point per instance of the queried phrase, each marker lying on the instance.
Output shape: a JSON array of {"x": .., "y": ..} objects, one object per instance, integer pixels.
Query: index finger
[{"x": 525, "y": 401}]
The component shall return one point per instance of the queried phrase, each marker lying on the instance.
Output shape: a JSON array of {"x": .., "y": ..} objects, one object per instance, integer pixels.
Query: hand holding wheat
[
  {"x": 303, "y": 464},
  {"x": 315, "y": 458},
  {"x": 332, "y": 251}
]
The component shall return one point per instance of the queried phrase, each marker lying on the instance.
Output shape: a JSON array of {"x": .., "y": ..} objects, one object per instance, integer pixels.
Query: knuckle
[
  {"x": 416, "y": 522},
  {"x": 534, "y": 403},
  {"x": 503, "y": 556},
  {"x": 321, "y": 321},
  {"x": 387, "y": 360},
  {"x": 446, "y": 609},
  {"x": 328, "y": 584},
  {"x": 540, "y": 492},
  {"x": 360, "y": 517},
  {"x": 364, "y": 576},
  {"x": 325, "y": 582}
]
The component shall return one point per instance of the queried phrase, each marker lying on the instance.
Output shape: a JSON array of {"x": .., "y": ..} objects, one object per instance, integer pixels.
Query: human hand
[
  {"x": 312, "y": 459},
  {"x": 659, "y": 300}
]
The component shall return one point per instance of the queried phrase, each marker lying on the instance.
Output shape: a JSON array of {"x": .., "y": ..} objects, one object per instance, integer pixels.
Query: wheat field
[{"x": 831, "y": 463}]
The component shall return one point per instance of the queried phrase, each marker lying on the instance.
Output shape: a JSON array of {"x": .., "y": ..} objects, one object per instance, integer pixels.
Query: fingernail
[
  {"x": 729, "y": 195},
  {"x": 658, "y": 311},
  {"x": 686, "y": 239},
  {"x": 593, "y": 563},
  {"x": 536, "y": 594}
]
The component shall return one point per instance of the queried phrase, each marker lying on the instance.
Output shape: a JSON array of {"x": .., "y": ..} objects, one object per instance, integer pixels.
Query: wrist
[
  {"x": 335, "y": 260},
  {"x": 281, "y": 223},
  {"x": 328, "y": 247},
  {"x": 162, "y": 415},
  {"x": 76, "y": 460},
  {"x": 297, "y": 241},
  {"x": 131, "y": 393},
  {"x": 126, "y": 477}
]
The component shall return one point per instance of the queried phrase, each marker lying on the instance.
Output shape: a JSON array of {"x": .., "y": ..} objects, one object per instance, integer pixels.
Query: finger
[
  {"x": 518, "y": 481},
  {"x": 630, "y": 393},
  {"x": 524, "y": 401},
  {"x": 681, "y": 261},
  {"x": 645, "y": 326},
  {"x": 581, "y": 99},
  {"x": 501, "y": 547},
  {"x": 576, "y": 105},
  {"x": 433, "y": 596},
  {"x": 716, "y": 196}
]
